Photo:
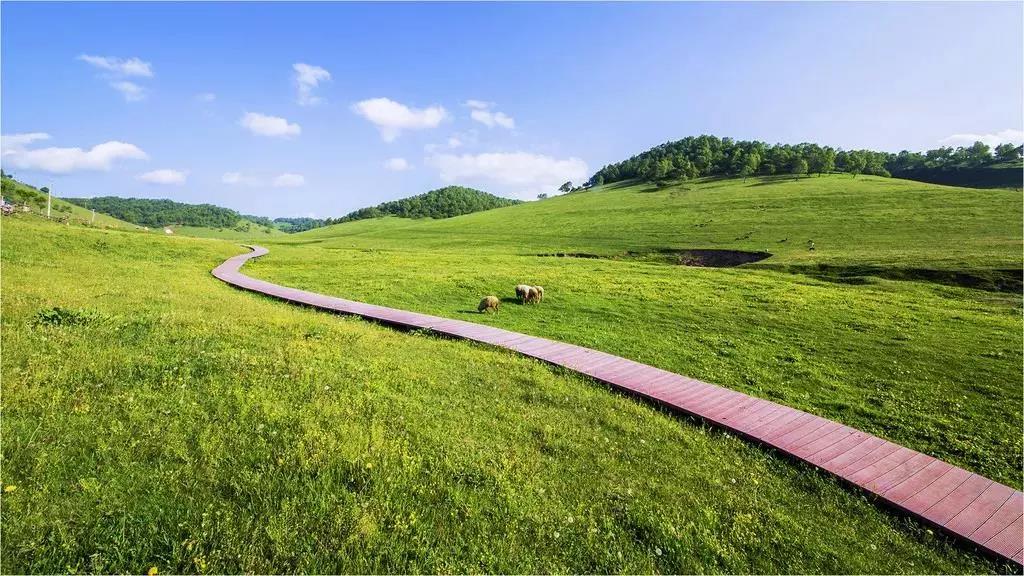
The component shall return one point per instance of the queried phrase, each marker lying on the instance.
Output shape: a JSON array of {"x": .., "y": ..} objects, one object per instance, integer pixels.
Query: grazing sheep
[
  {"x": 535, "y": 294},
  {"x": 488, "y": 303},
  {"x": 522, "y": 291}
]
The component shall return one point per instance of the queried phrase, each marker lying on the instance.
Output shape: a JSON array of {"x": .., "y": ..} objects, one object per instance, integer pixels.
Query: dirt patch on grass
[
  {"x": 990, "y": 280},
  {"x": 682, "y": 257}
]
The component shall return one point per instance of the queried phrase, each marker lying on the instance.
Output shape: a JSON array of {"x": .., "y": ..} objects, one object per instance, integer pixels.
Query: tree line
[
  {"x": 292, "y": 225},
  {"x": 698, "y": 156},
  {"x": 441, "y": 203},
  {"x": 154, "y": 213}
]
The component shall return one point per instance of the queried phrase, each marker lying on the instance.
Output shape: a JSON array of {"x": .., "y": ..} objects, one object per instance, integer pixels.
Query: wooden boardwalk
[{"x": 973, "y": 508}]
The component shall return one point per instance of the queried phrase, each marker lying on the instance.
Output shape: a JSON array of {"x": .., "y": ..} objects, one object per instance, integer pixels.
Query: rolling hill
[
  {"x": 189, "y": 425},
  {"x": 441, "y": 203},
  {"x": 881, "y": 298},
  {"x": 154, "y": 416},
  {"x": 23, "y": 194},
  {"x": 204, "y": 220}
]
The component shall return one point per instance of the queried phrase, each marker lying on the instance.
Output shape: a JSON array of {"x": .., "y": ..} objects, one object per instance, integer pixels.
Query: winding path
[{"x": 973, "y": 508}]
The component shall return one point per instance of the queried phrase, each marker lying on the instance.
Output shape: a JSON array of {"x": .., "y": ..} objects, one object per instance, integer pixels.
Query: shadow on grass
[{"x": 990, "y": 280}]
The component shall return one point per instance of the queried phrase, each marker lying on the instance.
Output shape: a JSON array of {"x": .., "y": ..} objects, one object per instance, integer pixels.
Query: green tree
[
  {"x": 855, "y": 163},
  {"x": 751, "y": 162},
  {"x": 1008, "y": 152},
  {"x": 565, "y": 187},
  {"x": 798, "y": 167},
  {"x": 542, "y": 196}
]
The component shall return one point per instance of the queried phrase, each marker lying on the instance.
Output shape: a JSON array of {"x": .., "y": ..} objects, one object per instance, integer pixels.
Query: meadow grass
[
  {"x": 159, "y": 417},
  {"x": 931, "y": 366},
  {"x": 862, "y": 220}
]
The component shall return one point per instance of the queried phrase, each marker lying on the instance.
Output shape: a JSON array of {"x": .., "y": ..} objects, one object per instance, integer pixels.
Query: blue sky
[{"x": 205, "y": 103}]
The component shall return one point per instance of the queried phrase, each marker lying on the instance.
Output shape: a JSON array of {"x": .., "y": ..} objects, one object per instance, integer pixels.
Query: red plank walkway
[{"x": 968, "y": 506}]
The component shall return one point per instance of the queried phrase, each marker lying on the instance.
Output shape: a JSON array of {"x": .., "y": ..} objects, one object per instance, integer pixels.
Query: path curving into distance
[{"x": 970, "y": 507}]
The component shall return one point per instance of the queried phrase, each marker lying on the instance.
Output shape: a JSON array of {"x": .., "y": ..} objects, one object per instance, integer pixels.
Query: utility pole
[{"x": 47, "y": 203}]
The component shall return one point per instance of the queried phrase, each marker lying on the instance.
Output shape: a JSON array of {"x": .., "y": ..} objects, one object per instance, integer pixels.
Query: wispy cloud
[
  {"x": 131, "y": 91},
  {"x": 265, "y": 125},
  {"x": 397, "y": 164},
  {"x": 115, "y": 70},
  {"x": 482, "y": 112},
  {"x": 391, "y": 117},
  {"x": 519, "y": 173},
  {"x": 308, "y": 77},
  {"x": 288, "y": 180},
  {"x": 993, "y": 139},
  {"x": 206, "y": 97},
  {"x": 285, "y": 180},
  {"x": 16, "y": 153},
  {"x": 164, "y": 176},
  {"x": 119, "y": 66}
]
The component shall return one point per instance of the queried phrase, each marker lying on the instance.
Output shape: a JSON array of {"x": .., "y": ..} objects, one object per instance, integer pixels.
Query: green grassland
[
  {"x": 153, "y": 416},
  {"x": 245, "y": 232},
  {"x": 862, "y": 220},
  {"x": 933, "y": 366}
]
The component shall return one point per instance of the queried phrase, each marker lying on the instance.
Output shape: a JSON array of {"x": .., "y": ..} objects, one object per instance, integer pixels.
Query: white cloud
[
  {"x": 391, "y": 117},
  {"x": 164, "y": 176},
  {"x": 19, "y": 141},
  {"x": 286, "y": 180},
  {"x": 519, "y": 173},
  {"x": 131, "y": 91},
  {"x": 483, "y": 114},
  {"x": 397, "y": 164},
  {"x": 206, "y": 97},
  {"x": 1002, "y": 137},
  {"x": 63, "y": 160},
  {"x": 492, "y": 119},
  {"x": 307, "y": 78},
  {"x": 119, "y": 66},
  {"x": 454, "y": 142},
  {"x": 117, "y": 69},
  {"x": 269, "y": 125}
]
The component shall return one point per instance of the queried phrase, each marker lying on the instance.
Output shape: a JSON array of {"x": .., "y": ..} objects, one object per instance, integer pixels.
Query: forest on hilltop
[
  {"x": 149, "y": 212},
  {"x": 698, "y": 156},
  {"x": 441, "y": 203}
]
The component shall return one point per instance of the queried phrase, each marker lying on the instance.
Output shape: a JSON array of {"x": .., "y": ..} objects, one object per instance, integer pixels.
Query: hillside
[
  {"x": 866, "y": 220},
  {"x": 441, "y": 203},
  {"x": 201, "y": 220},
  {"x": 190, "y": 426},
  {"x": 977, "y": 166},
  {"x": 23, "y": 194},
  {"x": 878, "y": 326}
]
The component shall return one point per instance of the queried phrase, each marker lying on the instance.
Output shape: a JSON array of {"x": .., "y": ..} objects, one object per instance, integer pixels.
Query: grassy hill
[
  {"x": 852, "y": 221},
  {"x": 155, "y": 417},
  {"x": 932, "y": 364},
  {"x": 23, "y": 194}
]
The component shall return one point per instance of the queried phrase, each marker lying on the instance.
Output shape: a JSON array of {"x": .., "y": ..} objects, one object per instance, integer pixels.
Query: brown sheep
[
  {"x": 522, "y": 291},
  {"x": 488, "y": 303}
]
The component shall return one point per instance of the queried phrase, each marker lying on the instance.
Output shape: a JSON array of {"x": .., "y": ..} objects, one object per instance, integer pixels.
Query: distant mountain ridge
[{"x": 441, "y": 203}]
